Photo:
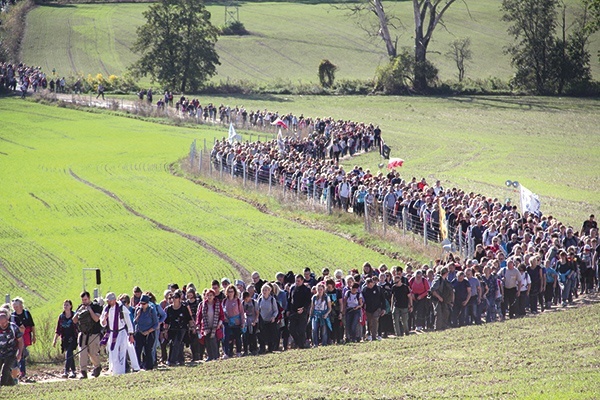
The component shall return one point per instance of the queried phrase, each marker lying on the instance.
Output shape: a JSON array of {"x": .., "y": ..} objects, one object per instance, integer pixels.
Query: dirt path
[{"x": 244, "y": 274}]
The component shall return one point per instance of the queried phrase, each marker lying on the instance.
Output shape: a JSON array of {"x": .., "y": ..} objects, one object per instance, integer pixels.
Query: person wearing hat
[
  {"x": 11, "y": 348},
  {"x": 116, "y": 318},
  {"x": 146, "y": 320}
]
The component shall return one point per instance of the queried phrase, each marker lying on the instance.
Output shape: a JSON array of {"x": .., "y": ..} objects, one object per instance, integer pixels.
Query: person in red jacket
[{"x": 210, "y": 318}]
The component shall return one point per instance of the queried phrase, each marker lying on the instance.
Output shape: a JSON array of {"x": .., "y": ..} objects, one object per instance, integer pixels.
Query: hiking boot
[
  {"x": 83, "y": 375},
  {"x": 96, "y": 372}
]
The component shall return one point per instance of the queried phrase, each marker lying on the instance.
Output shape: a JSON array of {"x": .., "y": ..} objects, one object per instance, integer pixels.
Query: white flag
[
  {"x": 529, "y": 201},
  {"x": 280, "y": 141},
  {"x": 233, "y": 136}
]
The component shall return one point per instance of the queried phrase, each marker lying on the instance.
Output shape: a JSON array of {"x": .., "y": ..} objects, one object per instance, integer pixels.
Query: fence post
[
  {"x": 205, "y": 145},
  {"x": 469, "y": 244},
  {"x": 256, "y": 177},
  {"x": 328, "y": 199},
  {"x": 245, "y": 172},
  {"x": 404, "y": 220},
  {"x": 460, "y": 243},
  {"x": 367, "y": 227},
  {"x": 298, "y": 188},
  {"x": 385, "y": 217},
  {"x": 270, "y": 179},
  {"x": 221, "y": 172},
  {"x": 200, "y": 163},
  {"x": 424, "y": 232},
  {"x": 232, "y": 168}
]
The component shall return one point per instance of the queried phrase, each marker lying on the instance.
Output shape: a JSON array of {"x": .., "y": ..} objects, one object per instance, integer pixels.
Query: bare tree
[
  {"x": 427, "y": 15},
  {"x": 381, "y": 28},
  {"x": 460, "y": 51}
]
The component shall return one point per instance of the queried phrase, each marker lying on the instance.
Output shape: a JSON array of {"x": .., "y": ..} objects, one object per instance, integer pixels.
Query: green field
[
  {"x": 552, "y": 356},
  {"x": 287, "y": 43},
  {"x": 53, "y": 225}
]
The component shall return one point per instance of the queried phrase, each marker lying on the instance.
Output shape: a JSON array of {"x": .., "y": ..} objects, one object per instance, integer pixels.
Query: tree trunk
[
  {"x": 420, "y": 82},
  {"x": 390, "y": 45}
]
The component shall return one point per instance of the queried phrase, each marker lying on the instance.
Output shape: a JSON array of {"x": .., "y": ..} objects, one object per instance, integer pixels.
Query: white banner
[
  {"x": 529, "y": 201},
  {"x": 233, "y": 136}
]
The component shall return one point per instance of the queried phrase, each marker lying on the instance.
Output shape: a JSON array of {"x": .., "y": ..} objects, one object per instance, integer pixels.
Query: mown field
[
  {"x": 54, "y": 224},
  {"x": 287, "y": 43},
  {"x": 550, "y": 145},
  {"x": 552, "y": 356}
]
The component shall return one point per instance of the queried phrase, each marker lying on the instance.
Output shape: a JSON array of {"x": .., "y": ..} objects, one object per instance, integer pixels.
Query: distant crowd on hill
[{"x": 23, "y": 78}]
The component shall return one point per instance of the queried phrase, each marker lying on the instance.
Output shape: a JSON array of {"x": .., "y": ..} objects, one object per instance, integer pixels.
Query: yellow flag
[{"x": 443, "y": 227}]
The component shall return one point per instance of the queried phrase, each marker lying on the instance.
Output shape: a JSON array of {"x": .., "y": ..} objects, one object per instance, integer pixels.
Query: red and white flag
[
  {"x": 279, "y": 122},
  {"x": 395, "y": 163}
]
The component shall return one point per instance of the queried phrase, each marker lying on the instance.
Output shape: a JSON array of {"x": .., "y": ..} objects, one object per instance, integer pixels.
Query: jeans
[
  {"x": 567, "y": 289},
  {"x": 490, "y": 315},
  {"x": 319, "y": 326},
  {"x": 458, "y": 314},
  {"x": 400, "y": 317},
  {"x": 69, "y": 359},
  {"x": 472, "y": 311},
  {"x": 143, "y": 345},
  {"x": 352, "y": 324}
]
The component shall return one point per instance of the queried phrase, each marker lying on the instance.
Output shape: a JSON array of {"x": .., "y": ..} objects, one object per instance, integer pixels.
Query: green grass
[
  {"x": 550, "y": 145},
  {"x": 287, "y": 43},
  {"x": 554, "y": 355},
  {"x": 45, "y": 240}
]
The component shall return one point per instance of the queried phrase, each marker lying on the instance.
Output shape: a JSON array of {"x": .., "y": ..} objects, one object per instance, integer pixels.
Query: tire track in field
[
  {"x": 19, "y": 281},
  {"x": 42, "y": 201},
  {"x": 245, "y": 275},
  {"x": 17, "y": 144},
  {"x": 3, "y": 153},
  {"x": 69, "y": 53},
  {"x": 265, "y": 210}
]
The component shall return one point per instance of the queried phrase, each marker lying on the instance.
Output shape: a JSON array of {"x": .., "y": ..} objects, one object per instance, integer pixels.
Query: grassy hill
[
  {"x": 151, "y": 229},
  {"x": 552, "y": 356},
  {"x": 287, "y": 43}
]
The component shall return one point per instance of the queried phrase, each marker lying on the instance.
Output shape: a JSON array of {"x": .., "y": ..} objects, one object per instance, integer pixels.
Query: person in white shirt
[{"x": 117, "y": 319}]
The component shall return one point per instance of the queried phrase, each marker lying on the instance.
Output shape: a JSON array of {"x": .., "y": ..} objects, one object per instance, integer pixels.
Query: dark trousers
[
  {"x": 298, "y": 324},
  {"x": 249, "y": 340},
  {"x": 212, "y": 347},
  {"x": 69, "y": 359},
  {"x": 352, "y": 325},
  {"x": 442, "y": 314},
  {"x": 549, "y": 294},
  {"x": 510, "y": 302},
  {"x": 176, "y": 346},
  {"x": 458, "y": 314},
  {"x": 337, "y": 330},
  {"x": 420, "y": 307},
  {"x": 268, "y": 332},
  {"x": 523, "y": 300},
  {"x": 6, "y": 365},
  {"x": 533, "y": 299},
  {"x": 284, "y": 332},
  {"x": 143, "y": 345},
  {"x": 196, "y": 348},
  {"x": 233, "y": 334}
]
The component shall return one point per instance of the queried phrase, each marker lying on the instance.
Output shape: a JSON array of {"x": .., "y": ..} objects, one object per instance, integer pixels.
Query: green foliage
[
  {"x": 327, "y": 73},
  {"x": 398, "y": 75},
  {"x": 12, "y": 29},
  {"x": 545, "y": 62},
  {"x": 233, "y": 28},
  {"x": 177, "y": 45}
]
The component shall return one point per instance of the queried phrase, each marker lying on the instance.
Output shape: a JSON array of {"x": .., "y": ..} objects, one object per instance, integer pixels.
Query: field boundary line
[
  {"x": 19, "y": 281},
  {"x": 265, "y": 210},
  {"x": 244, "y": 273}
]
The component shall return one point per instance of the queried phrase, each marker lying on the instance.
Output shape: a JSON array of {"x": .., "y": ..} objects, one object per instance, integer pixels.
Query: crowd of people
[
  {"x": 23, "y": 78},
  {"x": 532, "y": 267}
]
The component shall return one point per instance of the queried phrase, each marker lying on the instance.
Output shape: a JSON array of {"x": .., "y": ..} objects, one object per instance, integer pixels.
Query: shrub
[
  {"x": 234, "y": 28},
  {"x": 327, "y": 73}
]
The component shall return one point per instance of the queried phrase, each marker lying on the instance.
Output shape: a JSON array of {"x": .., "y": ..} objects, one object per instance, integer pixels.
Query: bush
[
  {"x": 327, "y": 73},
  {"x": 12, "y": 29},
  {"x": 235, "y": 28}
]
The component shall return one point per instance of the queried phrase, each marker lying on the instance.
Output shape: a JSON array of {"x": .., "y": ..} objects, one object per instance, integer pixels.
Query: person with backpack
[
  {"x": 23, "y": 319},
  {"x": 11, "y": 348},
  {"x": 251, "y": 327},
  {"x": 178, "y": 322},
  {"x": 146, "y": 326},
  {"x": 66, "y": 330},
  {"x": 374, "y": 307},
  {"x": 442, "y": 296},
  {"x": 299, "y": 299},
  {"x": 336, "y": 315},
  {"x": 401, "y": 305},
  {"x": 87, "y": 318},
  {"x": 353, "y": 303},
  {"x": 235, "y": 319},
  {"x": 268, "y": 310},
  {"x": 210, "y": 319},
  {"x": 319, "y": 315},
  {"x": 116, "y": 319}
]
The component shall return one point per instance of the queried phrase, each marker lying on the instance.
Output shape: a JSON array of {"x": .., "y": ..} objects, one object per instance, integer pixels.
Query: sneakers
[
  {"x": 225, "y": 357},
  {"x": 369, "y": 338},
  {"x": 96, "y": 371},
  {"x": 378, "y": 337},
  {"x": 564, "y": 303}
]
